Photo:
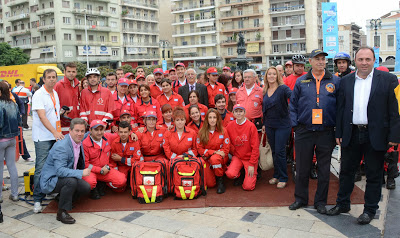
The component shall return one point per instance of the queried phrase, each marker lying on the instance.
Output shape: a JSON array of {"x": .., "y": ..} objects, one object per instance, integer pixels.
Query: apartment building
[
  {"x": 2, "y": 31},
  {"x": 349, "y": 38},
  {"x": 196, "y": 40},
  {"x": 140, "y": 32}
]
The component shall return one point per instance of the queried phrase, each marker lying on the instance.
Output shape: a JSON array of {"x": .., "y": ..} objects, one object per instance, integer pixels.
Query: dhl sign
[{"x": 10, "y": 74}]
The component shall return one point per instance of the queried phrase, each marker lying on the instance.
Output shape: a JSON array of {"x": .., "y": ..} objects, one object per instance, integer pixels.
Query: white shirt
[
  {"x": 249, "y": 90},
  {"x": 42, "y": 100},
  {"x": 362, "y": 90},
  {"x": 22, "y": 92},
  {"x": 192, "y": 85},
  {"x": 99, "y": 143}
]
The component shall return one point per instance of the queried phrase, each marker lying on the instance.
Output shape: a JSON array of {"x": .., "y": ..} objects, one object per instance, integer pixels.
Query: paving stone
[
  {"x": 88, "y": 219},
  {"x": 198, "y": 219},
  {"x": 111, "y": 235},
  {"x": 157, "y": 233},
  {"x": 24, "y": 214},
  {"x": 164, "y": 213},
  {"x": 201, "y": 210},
  {"x": 392, "y": 227},
  {"x": 114, "y": 215},
  {"x": 284, "y": 233},
  {"x": 230, "y": 234},
  {"x": 13, "y": 210},
  {"x": 160, "y": 223},
  {"x": 200, "y": 231},
  {"x": 303, "y": 214},
  {"x": 37, "y": 232},
  {"x": 75, "y": 230},
  {"x": 250, "y": 216},
  {"x": 248, "y": 228},
  {"x": 43, "y": 221},
  {"x": 4, "y": 235},
  {"x": 233, "y": 213},
  {"x": 286, "y": 222},
  {"x": 121, "y": 228},
  {"x": 324, "y": 229},
  {"x": 11, "y": 226},
  {"x": 132, "y": 216},
  {"x": 97, "y": 234}
]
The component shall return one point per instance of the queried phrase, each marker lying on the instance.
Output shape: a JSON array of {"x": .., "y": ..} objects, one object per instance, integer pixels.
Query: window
[
  {"x": 203, "y": 51},
  {"x": 288, "y": 33},
  {"x": 77, "y": 5},
  {"x": 288, "y": 20},
  {"x": 230, "y": 51},
  {"x": 79, "y": 37},
  {"x": 115, "y": 52},
  {"x": 341, "y": 38},
  {"x": 303, "y": 33},
  {"x": 275, "y": 35},
  {"x": 102, "y": 38},
  {"x": 114, "y": 38},
  {"x": 91, "y": 37},
  {"x": 114, "y": 24},
  {"x": 67, "y": 36},
  {"x": 240, "y": 12},
  {"x": 53, "y": 37},
  {"x": 52, "y": 4},
  {"x": 240, "y": 24},
  {"x": 390, "y": 40},
  {"x": 68, "y": 54},
  {"x": 289, "y": 47},
  {"x": 169, "y": 54},
  {"x": 113, "y": 10},
  {"x": 78, "y": 21},
  {"x": 303, "y": 46},
  {"x": 377, "y": 41},
  {"x": 65, "y": 4},
  {"x": 276, "y": 48},
  {"x": 256, "y": 22},
  {"x": 66, "y": 20}
]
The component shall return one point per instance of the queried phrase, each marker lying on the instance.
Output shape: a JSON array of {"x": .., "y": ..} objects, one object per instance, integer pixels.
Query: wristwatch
[{"x": 108, "y": 167}]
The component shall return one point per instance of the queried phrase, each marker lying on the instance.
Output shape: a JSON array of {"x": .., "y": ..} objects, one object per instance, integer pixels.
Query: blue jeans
[
  {"x": 277, "y": 139},
  {"x": 42, "y": 149}
]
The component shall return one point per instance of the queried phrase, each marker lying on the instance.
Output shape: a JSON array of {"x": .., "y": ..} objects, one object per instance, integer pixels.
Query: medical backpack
[
  {"x": 149, "y": 181},
  {"x": 187, "y": 177}
]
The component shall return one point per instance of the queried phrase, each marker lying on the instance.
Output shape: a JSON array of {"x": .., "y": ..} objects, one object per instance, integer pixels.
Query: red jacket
[
  {"x": 252, "y": 103},
  {"x": 176, "y": 85},
  {"x": 174, "y": 100},
  {"x": 219, "y": 88},
  {"x": 96, "y": 156},
  {"x": 69, "y": 96},
  {"x": 120, "y": 106},
  {"x": 155, "y": 91},
  {"x": 203, "y": 111},
  {"x": 216, "y": 142},
  {"x": 290, "y": 80},
  {"x": 130, "y": 153},
  {"x": 193, "y": 126},
  {"x": 96, "y": 106},
  {"x": 244, "y": 141},
  {"x": 228, "y": 118},
  {"x": 140, "y": 107},
  {"x": 151, "y": 145},
  {"x": 173, "y": 146}
]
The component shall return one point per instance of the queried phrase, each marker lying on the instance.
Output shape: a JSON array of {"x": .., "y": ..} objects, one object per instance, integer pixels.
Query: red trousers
[
  {"x": 113, "y": 178},
  {"x": 215, "y": 166},
  {"x": 233, "y": 172}
]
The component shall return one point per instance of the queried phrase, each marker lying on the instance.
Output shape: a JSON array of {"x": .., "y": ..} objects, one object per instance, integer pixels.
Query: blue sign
[
  {"x": 164, "y": 65},
  {"x": 330, "y": 29},
  {"x": 397, "y": 63},
  {"x": 376, "y": 51}
]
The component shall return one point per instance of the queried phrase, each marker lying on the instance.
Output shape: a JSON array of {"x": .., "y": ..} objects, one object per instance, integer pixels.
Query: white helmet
[{"x": 92, "y": 71}]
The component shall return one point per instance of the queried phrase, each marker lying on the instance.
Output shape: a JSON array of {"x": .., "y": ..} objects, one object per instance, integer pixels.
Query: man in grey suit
[
  {"x": 64, "y": 168},
  {"x": 192, "y": 85}
]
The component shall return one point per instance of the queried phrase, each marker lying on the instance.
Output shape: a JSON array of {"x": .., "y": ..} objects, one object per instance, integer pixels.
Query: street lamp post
[
  {"x": 375, "y": 24},
  {"x": 87, "y": 45}
]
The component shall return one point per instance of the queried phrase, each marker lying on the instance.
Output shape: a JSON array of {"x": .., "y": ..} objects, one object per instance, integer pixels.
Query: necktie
[{"x": 191, "y": 88}]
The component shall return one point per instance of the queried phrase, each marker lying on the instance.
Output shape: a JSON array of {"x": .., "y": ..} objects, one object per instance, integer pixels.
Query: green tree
[
  {"x": 12, "y": 56},
  {"x": 81, "y": 70},
  {"x": 104, "y": 70},
  {"x": 61, "y": 67},
  {"x": 127, "y": 68},
  {"x": 149, "y": 70}
]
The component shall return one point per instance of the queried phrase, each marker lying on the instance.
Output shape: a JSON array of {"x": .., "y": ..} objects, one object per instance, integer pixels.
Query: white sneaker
[
  {"x": 37, "y": 207},
  {"x": 29, "y": 160}
]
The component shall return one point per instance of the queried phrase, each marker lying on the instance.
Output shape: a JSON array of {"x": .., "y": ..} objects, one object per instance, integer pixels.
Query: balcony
[
  {"x": 90, "y": 28},
  {"x": 43, "y": 60},
  {"x": 247, "y": 41},
  {"x": 99, "y": 58},
  {"x": 230, "y": 28},
  {"x": 90, "y": 12},
  {"x": 46, "y": 43},
  {"x": 193, "y": 20},
  {"x": 18, "y": 17},
  {"x": 92, "y": 43},
  {"x": 46, "y": 27},
  {"x": 137, "y": 3},
  {"x": 191, "y": 8},
  {"x": 142, "y": 57},
  {"x": 285, "y": 39},
  {"x": 235, "y": 3},
  {"x": 232, "y": 15},
  {"x": 291, "y": 24},
  {"x": 286, "y": 9},
  {"x": 26, "y": 46},
  {"x": 140, "y": 18},
  {"x": 293, "y": 52},
  {"x": 196, "y": 31},
  {"x": 194, "y": 56},
  {"x": 1, "y": 20},
  {"x": 19, "y": 32},
  {"x": 45, "y": 11},
  {"x": 2, "y": 35},
  {"x": 140, "y": 31},
  {"x": 16, "y": 2},
  {"x": 144, "y": 44},
  {"x": 192, "y": 44}
]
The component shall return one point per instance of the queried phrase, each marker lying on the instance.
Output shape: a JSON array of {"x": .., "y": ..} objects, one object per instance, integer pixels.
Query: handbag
[{"x": 266, "y": 161}]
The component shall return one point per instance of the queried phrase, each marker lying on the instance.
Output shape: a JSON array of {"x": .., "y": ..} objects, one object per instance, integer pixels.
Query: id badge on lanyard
[
  {"x": 317, "y": 114},
  {"x": 58, "y": 122}
]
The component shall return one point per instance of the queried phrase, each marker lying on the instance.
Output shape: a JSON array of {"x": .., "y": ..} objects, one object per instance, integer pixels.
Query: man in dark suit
[
  {"x": 192, "y": 85},
  {"x": 367, "y": 123},
  {"x": 64, "y": 168}
]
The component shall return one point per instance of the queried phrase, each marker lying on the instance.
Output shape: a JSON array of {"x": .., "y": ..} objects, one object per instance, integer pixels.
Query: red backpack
[
  {"x": 187, "y": 177},
  {"x": 149, "y": 181}
]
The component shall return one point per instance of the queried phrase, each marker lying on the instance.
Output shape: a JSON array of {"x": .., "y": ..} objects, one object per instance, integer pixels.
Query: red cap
[
  {"x": 289, "y": 63},
  {"x": 123, "y": 81},
  {"x": 166, "y": 72},
  {"x": 158, "y": 71},
  {"x": 140, "y": 77},
  {"x": 150, "y": 114},
  {"x": 226, "y": 68},
  {"x": 125, "y": 112},
  {"x": 96, "y": 123},
  {"x": 132, "y": 81},
  {"x": 172, "y": 69},
  {"x": 179, "y": 65},
  {"x": 212, "y": 70},
  {"x": 382, "y": 68},
  {"x": 238, "y": 106},
  {"x": 233, "y": 90},
  {"x": 127, "y": 75}
]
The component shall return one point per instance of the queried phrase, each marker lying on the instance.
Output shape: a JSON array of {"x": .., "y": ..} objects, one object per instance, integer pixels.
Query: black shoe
[
  {"x": 64, "y": 217},
  {"x": 94, "y": 194},
  {"x": 220, "y": 184},
  {"x": 390, "y": 184},
  {"x": 313, "y": 173},
  {"x": 321, "y": 209},
  {"x": 101, "y": 186},
  {"x": 336, "y": 210},
  {"x": 239, "y": 180},
  {"x": 1, "y": 217},
  {"x": 365, "y": 218},
  {"x": 296, "y": 205}
]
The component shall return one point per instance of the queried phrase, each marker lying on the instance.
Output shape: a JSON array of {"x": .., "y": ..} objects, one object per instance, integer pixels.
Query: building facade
[{"x": 349, "y": 38}]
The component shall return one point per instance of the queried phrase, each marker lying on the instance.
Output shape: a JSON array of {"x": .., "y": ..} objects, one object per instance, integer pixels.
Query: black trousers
[
  {"x": 25, "y": 117},
  {"x": 306, "y": 142},
  {"x": 360, "y": 146},
  {"x": 70, "y": 189}
]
